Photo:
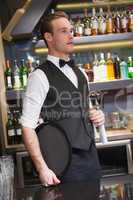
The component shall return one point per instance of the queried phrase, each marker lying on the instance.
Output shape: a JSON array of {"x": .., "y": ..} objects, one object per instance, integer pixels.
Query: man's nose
[{"x": 71, "y": 34}]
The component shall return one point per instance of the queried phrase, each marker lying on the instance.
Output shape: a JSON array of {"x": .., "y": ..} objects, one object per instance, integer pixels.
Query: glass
[{"x": 6, "y": 178}]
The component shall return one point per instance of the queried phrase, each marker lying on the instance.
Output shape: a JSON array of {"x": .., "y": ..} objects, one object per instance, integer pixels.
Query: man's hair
[{"x": 46, "y": 25}]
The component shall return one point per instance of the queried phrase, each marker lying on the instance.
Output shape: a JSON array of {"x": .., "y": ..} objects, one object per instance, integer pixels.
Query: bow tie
[{"x": 63, "y": 62}]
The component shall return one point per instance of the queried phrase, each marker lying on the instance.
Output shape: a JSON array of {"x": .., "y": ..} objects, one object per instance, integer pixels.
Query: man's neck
[{"x": 63, "y": 56}]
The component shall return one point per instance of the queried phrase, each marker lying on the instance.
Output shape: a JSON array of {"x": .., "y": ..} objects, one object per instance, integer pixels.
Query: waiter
[{"x": 59, "y": 91}]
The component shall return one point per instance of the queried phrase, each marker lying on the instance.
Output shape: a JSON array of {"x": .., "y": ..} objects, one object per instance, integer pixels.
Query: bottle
[
  {"x": 23, "y": 74},
  {"x": 16, "y": 76},
  {"x": 124, "y": 22},
  {"x": 96, "y": 68},
  {"x": 110, "y": 67},
  {"x": 30, "y": 66},
  {"x": 123, "y": 69},
  {"x": 102, "y": 68},
  {"x": 86, "y": 22},
  {"x": 130, "y": 21},
  {"x": 117, "y": 22},
  {"x": 10, "y": 129},
  {"x": 89, "y": 71},
  {"x": 101, "y": 22},
  {"x": 17, "y": 127},
  {"x": 109, "y": 22},
  {"x": 130, "y": 67},
  {"x": 117, "y": 67},
  {"x": 78, "y": 27},
  {"x": 94, "y": 23},
  {"x": 8, "y": 75}
]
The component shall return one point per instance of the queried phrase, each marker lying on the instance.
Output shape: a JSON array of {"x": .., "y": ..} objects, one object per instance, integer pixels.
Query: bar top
[{"x": 78, "y": 191}]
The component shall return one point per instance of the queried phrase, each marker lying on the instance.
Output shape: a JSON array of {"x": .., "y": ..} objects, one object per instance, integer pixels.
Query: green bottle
[
  {"x": 8, "y": 75},
  {"x": 23, "y": 74},
  {"x": 10, "y": 129},
  {"x": 130, "y": 67}
]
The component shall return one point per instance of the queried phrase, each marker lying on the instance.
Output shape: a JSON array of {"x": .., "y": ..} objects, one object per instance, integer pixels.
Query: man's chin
[{"x": 70, "y": 49}]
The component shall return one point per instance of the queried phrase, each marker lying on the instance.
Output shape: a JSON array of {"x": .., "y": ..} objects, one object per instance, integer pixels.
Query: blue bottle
[{"x": 123, "y": 70}]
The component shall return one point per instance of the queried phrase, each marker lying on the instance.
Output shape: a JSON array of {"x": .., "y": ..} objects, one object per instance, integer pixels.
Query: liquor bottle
[
  {"x": 130, "y": 21},
  {"x": 16, "y": 76},
  {"x": 130, "y": 67},
  {"x": 110, "y": 67},
  {"x": 101, "y": 22},
  {"x": 117, "y": 22},
  {"x": 10, "y": 129},
  {"x": 89, "y": 71},
  {"x": 78, "y": 27},
  {"x": 17, "y": 127},
  {"x": 102, "y": 68},
  {"x": 109, "y": 22},
  {"x": 123, "y": 69},
  {"x": 117, "y": 67},
  {"x": 96, "y": 68},
  {"x": 8, "y": 75},
  {"x": 30, "y": 66},
  {"x": 23, "y": 73},
  {"x": 86, "y": 22},
  {"x": 124, "y": 22},
  {"x": 94, "y": 23}
]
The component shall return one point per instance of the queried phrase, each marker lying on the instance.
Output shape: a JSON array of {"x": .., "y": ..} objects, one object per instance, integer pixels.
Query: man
[{"x": 58, "y": 35}]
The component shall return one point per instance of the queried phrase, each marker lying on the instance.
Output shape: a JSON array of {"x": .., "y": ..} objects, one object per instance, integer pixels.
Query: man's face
[{"x": 62, "y": 36}]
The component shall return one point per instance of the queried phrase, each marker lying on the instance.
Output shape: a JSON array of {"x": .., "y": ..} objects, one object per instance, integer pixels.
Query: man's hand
[
  {"x": 96, "y": 116},
  {"x": 48, "y": 177}
]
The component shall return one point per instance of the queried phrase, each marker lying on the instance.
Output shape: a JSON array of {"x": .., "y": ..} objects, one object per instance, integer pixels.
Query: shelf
[
  {"x": 15, "y": 94},
  {"x": 117, "y": 136},
  {"x": 82, "y": 5},
  {"x": 108, "y": 85},
  {"x": 111, "y": 85},
  {"x": 94, "y": 42},
  {"x": 103, "y": 38}
]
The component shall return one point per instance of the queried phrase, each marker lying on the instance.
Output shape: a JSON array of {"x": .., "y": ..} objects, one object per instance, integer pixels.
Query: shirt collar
[{"x": 54, "y": 60}]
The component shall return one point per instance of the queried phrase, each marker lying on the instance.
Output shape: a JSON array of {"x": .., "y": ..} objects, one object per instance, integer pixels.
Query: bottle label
[
  {"x": 130, "y": 69},
  {"x": 9, "y": 82},
  {"x": 102, "y": 27},
  {"x": 80, "y": 30},
  {"x": 17, "y": 83},
  {"x": 11, "y": 132},
  {"x": 94, "y": 24},
  {"x": 87, "y": 31},
  {"x": 25, "y": 80},
  {"x": 103, "y": 72},
  {"x": 124, "y": 23},
  {"x": 19, "y": 131}
]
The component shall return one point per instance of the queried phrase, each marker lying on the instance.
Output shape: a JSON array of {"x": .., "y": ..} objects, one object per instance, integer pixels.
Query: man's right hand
[{"x": 48, "y": 177}]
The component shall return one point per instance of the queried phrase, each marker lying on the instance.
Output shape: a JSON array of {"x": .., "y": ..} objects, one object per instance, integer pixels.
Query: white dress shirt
[{"x": 37, "y": 89}]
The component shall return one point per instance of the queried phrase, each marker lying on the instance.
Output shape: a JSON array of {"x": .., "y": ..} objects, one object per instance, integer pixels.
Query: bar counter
[{"x": 78, "y": 191}]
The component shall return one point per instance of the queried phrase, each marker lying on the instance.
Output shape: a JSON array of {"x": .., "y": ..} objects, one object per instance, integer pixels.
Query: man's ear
[{"x": 48, "y": 36}]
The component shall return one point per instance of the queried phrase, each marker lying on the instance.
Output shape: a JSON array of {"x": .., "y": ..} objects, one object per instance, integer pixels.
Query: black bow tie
[{"x": 63, "y": 62}]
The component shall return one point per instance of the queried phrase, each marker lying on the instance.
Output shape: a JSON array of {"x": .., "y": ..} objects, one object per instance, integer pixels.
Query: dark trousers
[{"x": 84, "y": 166}]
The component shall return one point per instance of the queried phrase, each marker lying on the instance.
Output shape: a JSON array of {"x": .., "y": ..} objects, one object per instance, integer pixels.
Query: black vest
[{"x": 68, "y": 105}]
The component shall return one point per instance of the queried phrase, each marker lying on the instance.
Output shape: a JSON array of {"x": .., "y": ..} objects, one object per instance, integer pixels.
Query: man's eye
[{"x": 64, "y": 31}]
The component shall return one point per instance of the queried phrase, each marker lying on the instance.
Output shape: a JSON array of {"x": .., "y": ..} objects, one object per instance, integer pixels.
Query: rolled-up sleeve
[{"x": 35, "y": 95}]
